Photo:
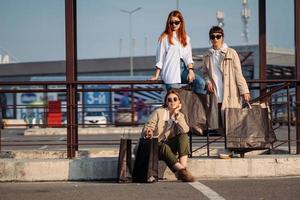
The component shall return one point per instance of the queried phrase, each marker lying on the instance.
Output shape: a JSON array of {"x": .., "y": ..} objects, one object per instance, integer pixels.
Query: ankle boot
[{"x": 185, "y": 176}]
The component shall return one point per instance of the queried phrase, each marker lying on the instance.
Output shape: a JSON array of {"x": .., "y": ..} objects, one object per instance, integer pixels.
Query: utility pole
[{"x": 130, "y": 36}]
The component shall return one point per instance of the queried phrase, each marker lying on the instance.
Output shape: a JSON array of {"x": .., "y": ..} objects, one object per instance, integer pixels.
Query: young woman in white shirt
[{"x": 174, "y": 62}]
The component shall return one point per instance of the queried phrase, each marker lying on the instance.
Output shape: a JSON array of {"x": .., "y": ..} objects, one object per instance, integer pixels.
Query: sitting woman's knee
[{"x": 183, "y": 137}]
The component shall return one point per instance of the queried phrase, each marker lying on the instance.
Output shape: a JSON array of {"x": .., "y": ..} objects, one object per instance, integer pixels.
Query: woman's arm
[
  {"x": 160, "y": 57},
  {"x": 150, "y": 125},
  {"x": 188, "y": 59},
  {"x": 205, "y": 75},
  {"x": 156, "y": 74},
  {"x": 240, "y": 80},
  {"x": 181, "y": 123},
  {"x": 191, "y": 74},
  {"x": 180, "y": 120}
]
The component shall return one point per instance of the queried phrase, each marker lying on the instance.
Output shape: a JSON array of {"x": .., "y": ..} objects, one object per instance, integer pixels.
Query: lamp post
[{"x": 130, "y": 36}]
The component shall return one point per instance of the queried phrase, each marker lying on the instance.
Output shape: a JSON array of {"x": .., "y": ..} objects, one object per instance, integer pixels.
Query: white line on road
[
  {"x": 209, "y": 193},
  {"x": 61, "y": 138},
  {"x": 43, "y": 147}
]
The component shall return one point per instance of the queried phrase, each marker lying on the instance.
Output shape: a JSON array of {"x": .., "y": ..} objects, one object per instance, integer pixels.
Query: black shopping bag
[
  {"x": 248, "y": 128},
  {"x": 146, "y": 162},
  {"x": 124, "y": 161}
]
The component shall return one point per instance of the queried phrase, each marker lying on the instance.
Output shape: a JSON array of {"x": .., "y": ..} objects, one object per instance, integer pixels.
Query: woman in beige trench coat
[{"x": 224, "y": 79}]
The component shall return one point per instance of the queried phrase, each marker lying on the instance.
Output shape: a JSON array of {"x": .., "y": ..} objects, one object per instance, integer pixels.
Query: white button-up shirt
[
  {"x": 217, "y": 74},
  {"x": 168, "y": 59}
]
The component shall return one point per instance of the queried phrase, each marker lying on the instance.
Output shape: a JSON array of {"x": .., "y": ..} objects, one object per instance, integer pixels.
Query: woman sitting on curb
[{"x": 170, "y": 126}]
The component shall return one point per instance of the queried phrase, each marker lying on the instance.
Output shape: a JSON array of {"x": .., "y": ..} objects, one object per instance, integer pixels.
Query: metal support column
[
  {"x": 297, "y": 56},
  {"x": 132, "y": 107},
  {"x": 71, "y": 76},
  {"x": 262, "y": 43}
]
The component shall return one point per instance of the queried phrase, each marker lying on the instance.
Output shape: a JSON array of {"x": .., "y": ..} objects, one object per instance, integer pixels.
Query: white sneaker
[{"x": 225, "y": 154}]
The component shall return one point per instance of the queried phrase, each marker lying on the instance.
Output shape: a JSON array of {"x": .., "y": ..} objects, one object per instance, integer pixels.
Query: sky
[{"x": 34, "y": 30}]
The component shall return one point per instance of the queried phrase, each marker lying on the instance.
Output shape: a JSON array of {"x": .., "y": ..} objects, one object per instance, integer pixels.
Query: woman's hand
[
  {"x": 153, "y": 78},
  {"x": 174, "y": 113},
  {"x": 210, "y": 87},
  {"x": 191, "y": 76},
  {"x": 176, "y": 110},
  {"x": 149, "y": 133},
  {"x": 246, "y": 97},
  {"x": 156, "y": 75}
]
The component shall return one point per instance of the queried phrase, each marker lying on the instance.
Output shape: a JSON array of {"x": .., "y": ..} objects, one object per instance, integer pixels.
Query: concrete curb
[
  {"x": 57, "y": 169},
  {"x": 106, "y": 168}
]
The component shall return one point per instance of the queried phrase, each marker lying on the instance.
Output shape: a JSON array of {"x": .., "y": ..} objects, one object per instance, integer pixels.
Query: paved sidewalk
[
  {"x": 102, "y": 165},
  {"x": 83, "y": 131}
]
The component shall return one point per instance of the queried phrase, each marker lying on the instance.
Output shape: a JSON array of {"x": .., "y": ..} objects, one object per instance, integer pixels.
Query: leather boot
[{"x": 185, "y": 176}]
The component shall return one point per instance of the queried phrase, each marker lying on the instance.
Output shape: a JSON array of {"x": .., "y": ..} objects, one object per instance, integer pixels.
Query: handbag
[
  {"x": 124, "y": 161},
  {"x": 249, "y": 127},
  {"x": 193, "y": 110},
  {"x": 146, "y": 162}
]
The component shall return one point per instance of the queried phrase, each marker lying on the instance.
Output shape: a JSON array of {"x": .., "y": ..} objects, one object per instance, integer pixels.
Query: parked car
[{"x": 95, "y": 119}]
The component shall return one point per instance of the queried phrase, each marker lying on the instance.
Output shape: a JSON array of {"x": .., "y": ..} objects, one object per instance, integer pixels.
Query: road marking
[
  {"x": 43, "y": 147},
  {"x": 61, "y": 138},
  {"x": 209, "y": 193}
]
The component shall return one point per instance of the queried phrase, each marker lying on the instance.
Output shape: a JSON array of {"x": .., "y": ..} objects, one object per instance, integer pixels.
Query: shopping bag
[
  {"x": 193, "y": 110},
  {"x": 146, "y": 161},
  {"x": 248, "y": 128},
  {"x": 124, "y": 161}
]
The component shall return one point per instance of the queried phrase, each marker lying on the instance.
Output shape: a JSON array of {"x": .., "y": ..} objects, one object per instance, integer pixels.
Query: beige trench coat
[
  {"x": 158, "y": 122},
  {"x": 233, "y": 80}
]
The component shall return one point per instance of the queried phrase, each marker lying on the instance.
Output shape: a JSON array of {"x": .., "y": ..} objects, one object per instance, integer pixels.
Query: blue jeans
[{"x": 198, "y": 85}]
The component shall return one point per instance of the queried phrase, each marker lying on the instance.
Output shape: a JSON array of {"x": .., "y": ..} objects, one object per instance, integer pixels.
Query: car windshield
[{"x": 95, "y": 114}]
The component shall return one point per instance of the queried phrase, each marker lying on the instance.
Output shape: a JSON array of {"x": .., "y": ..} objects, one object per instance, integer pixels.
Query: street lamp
[{"x": 130, "y": 36}]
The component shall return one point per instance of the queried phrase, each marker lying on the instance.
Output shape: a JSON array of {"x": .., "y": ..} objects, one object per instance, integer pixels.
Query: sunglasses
[
  {"x": 175, "y": 22},
  {"x": 212, "y": 37},
  {"x": 170, "y": 99}
]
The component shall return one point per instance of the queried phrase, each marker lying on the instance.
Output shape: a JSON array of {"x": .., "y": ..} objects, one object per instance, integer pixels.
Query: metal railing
[
  {"x": 269, "y": 91},
  {"x": 133, "y": 87},
  {"x": 111, "y": 108}
]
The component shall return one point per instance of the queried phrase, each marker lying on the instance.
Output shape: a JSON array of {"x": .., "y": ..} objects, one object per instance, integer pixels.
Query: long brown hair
[{"x": 181, "y": 34}]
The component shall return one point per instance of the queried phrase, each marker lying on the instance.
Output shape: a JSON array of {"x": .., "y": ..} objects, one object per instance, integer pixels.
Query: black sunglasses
[
  {"x": 175, "y": 22},
  {"x": 170, "y": 99},
  {"x": 212, "y": 37}
]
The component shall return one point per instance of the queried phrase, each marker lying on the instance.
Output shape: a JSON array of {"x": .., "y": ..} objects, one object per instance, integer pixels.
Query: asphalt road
[
  {"x": 239, "y": 189},
  {"x": 14, "y": 139}
]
